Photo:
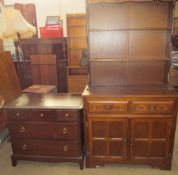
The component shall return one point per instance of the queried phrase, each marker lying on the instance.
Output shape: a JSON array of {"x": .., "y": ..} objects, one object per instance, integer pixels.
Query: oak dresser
[{"x": 46, "y": 128}]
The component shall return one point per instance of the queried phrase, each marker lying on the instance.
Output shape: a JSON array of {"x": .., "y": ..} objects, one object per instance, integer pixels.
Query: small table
[{"x": 40, "y": 89}]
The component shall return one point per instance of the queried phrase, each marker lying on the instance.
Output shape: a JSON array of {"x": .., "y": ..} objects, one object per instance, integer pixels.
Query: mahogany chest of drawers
[
  {"x": 130, "y": 125},
  {"x": 46, "y": 128}
]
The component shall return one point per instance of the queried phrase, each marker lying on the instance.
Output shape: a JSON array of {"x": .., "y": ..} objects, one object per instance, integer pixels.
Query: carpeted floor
[{"x": 41, "y": 168}]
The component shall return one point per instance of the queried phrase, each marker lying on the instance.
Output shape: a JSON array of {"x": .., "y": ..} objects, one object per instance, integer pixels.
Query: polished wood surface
[
  {"x": 46, "y": 128},
  {"x": 9, "y": 86},
  {"x": 58, "y": 101}
]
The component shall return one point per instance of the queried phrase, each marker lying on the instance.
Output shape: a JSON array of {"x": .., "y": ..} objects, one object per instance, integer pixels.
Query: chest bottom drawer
[{"x": 46, "y": 148}]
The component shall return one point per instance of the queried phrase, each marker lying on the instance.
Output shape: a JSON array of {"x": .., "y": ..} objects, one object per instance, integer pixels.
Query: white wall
[{"x": 53, "y": 8}]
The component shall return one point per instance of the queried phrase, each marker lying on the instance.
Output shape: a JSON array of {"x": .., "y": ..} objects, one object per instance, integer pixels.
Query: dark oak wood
[
  {"x": 52, "y": 46},
  {"x": 131, "y": 125},
  {"x": 46, "y": 128}
]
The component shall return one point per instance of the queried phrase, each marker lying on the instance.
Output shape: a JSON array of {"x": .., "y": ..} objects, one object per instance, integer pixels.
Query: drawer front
[
  {"x": 159, "y": 107},
  {"x": 68, "y": 115},
  {"x": 66, "y": 131},
  {"x": 46, "y": 148},
  {"x": 17, "y": 115},
  {"x": 108, "y": 106},
  {"x": 43, "y": 115}
]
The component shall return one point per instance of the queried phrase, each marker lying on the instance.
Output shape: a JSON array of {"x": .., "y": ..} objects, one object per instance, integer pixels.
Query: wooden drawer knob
[
  {"x": 22, "y": 129},
  {"x": 17, "y": 114},
  {"x": 67, "y": 115},
  {"x": 64, "y": 130},
  {"x": 41, "y": 115},
  {"x": 24, "y": 147},
  {"x": 65, "y": 148}
]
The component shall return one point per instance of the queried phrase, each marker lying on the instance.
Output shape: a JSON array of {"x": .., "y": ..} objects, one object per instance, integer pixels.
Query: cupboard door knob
[
  {"x": 64, "y": 130},
  {"x": 22, "y": 129},
  {"x": 41, "y": 115},
  {"x": 65, "y": 148},
  {"x": 24, "y": 147},
  {"x": 17, "y": 114}
]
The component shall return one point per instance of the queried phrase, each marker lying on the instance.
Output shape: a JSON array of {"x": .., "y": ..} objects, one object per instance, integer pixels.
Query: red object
[{"x": 51, "y": 31}]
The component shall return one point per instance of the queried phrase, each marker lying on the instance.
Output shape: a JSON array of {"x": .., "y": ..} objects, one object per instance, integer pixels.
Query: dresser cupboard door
[
  {"x": 108, "y": 138},
  {"x": 150, "y": 139}
]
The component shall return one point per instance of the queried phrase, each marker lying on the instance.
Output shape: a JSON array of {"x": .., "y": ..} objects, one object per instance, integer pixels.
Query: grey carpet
[{"x": 41, "y": 168}]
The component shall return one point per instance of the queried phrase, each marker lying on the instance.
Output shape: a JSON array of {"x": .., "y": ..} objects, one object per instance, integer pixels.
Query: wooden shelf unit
[
  {"x": 130, "y": 113},
  {"x": 77, "y": 41},
  {"x": 140, "y": 42}
]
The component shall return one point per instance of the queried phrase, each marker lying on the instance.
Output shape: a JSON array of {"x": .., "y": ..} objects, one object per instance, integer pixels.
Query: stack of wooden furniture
[
  {"x": 48, "y": 48},
  {"x": 130, "y": 112},
  {"x": 77, "y": 76}
]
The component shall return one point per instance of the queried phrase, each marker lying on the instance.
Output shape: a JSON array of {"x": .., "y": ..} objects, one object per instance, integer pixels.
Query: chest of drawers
[{"x": 46, "y": 128}]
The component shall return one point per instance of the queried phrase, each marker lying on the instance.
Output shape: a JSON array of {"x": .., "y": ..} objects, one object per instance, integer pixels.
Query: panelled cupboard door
[
  {"x": 150, "y": 139},
  {"x": 108, "y": 138}
]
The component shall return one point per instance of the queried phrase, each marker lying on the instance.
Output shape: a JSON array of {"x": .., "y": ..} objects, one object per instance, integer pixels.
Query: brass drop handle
[
  {"x": 22, "y": 129},
  {"x": 24, "y": 147},
  {"x": 64, "y": 130},
  {"x": 67, "y": 115},
  {"x": 41, "y": 115},
  {"x": 65, "y": 148}
]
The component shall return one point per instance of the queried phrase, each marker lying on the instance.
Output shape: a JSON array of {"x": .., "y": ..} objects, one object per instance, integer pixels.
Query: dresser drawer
[
  {"x": 68, "y": 115},
  {"x": 46, "y": 148},
  {"x": 159, "y": 107},
  {"x": 45, "y": 130},
  {"x": 43, "y": 115},
  {"x": 108, "y": 106},
  {"x": 17, "y": 115}
]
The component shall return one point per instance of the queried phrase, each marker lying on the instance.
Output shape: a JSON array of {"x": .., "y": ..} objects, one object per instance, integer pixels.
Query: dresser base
[
  {"x": 79, "y": 160},
  {"x": 163, "y": 165}
]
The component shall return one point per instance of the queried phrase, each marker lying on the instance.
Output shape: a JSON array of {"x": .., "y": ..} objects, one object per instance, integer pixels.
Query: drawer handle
[
  {"x": 22, "y": 129},
  {"x": 64, "y": 130},
  {"x": 66, "y": 148},
  {"x": 152, "y": 108},
  {"x": 17, "y": 114},
  {"x": 24, "y": 147},
  {"x": 67, "y": 115},
  {"x": 41, "y": 115}
]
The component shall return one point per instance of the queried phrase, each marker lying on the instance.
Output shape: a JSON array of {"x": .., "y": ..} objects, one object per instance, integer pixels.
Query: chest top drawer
[
  {"x": 108, "y": 106},
  {"x": 17, "y": 115},
  {"x": 43, "y": 115},
  {"x": 159, "y": 107}
]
